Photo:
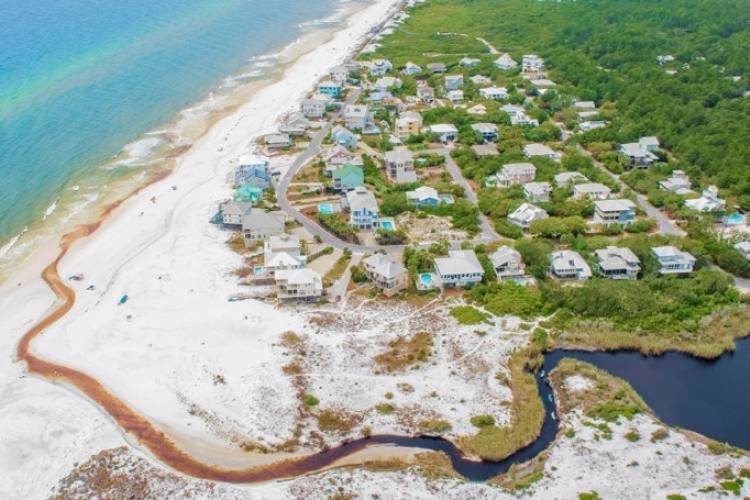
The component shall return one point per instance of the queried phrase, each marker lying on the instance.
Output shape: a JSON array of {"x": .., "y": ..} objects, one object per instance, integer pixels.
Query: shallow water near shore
[{"x": 93, "y": 96}]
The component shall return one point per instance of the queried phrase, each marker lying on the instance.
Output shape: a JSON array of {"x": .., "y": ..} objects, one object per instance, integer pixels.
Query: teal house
[
  {"x": 331, "y": 89},
  {"x": 348, "y": 177}
]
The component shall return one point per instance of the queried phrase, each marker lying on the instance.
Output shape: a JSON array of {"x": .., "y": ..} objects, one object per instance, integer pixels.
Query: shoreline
[
  {"x": 85, "y": 238},
  {"x": 90, "y": 189}
]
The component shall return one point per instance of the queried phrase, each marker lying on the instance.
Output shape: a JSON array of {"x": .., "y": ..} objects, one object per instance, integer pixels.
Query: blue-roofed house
[
  {"x": 252, "y": 170},
  {"x": 342, "y": 135}
]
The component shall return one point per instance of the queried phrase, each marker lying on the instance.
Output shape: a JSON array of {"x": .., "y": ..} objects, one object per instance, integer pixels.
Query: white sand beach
[{"x": 159, "y": 352}]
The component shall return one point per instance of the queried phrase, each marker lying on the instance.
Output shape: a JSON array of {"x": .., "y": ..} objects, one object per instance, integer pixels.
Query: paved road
[{"x": 666, "y": 226}]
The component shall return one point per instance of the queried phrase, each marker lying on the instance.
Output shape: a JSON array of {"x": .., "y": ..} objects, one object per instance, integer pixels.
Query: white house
[
  {"x": 425, "y": 94},
  {"x": 469, "y": 62},
  {"x": 521, "y": 119},
  {"x": 357, "y": 117},
  {"x": 565, "y": 179},
  {"x": 454, "y": 82},
  {"x": 459, "y": 269},
  {"x": 480, "y": 80},
  {"x": 446, "y": 132},
  {"x": 258, "y": 225},
  {"x": 566, "y": 264},
  {"x": 277, "y": 141},
  {"x": 435, "y": 68},
  {"x": 505, "y": 62},
  {"x": 532, "y": 64},
  {"x": 313, "y": 107},
  {"x": 584, "y": 105},
  {"x": 515, "y": 173},
  {"x": 618, "y": 263},
  {"x": 386, "y": 273},
  {"x": 399, "y": 165},
  {"x": 524, "y": 215},
  {"x": 678, "y": 182},
  {"x": 339, "y": 74},
  {"x": 423, "y": 196},
  {"x": 543, "y": 83},
  {"x": 649, "y": 143},
  {"x": 708, "y": 202},
  {"x": 298, "y": 284},
  {"x": 508, "y": 263},
  {"x": 673, "y": 260},
  {"x": 363, "y": 208},
  {"x": 614, "y": 212},
  {"x": 488, "y": 131},
  {"x": 536, "y": 149},
  {"x": 591, "y": 190},
  {"x": 411, "y": 69},
  {"x": 641, "y": 154},
  {"x": 494, "y": 93},
  {"x": 282, "y": 251},
  {"x": 379, "y": 67},
  {"x": 455, "y": 96},
  {"x": 537, "y": 192},
  {"x": 295, "y": 124},
  {"x": 592, "y": 125},
  {"x": 388, "y": 82},
  {"x": 232, "y": 212}
]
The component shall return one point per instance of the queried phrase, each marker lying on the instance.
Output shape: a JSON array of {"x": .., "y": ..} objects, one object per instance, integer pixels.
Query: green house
[
  {"x": 348, "y": 177},
  {"x": 248, "y": 194}
]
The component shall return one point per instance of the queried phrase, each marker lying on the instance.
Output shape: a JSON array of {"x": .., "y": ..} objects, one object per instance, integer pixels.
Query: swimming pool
[
  {"x": 325, "y": 208},
  {"x": 387, "y": 225},
  {"x": 425, "y": 279},
  {"x": 735, "y": 218}
]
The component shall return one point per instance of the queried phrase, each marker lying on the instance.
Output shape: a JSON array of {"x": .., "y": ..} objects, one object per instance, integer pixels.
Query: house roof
[
  {"x": 537, "y": 187},
  {"x": 527, "y": 212},
  {"x": 385, "y": 265},
  {"x": 485, "y": 150},
  {"x": 568, "y": 177},
  {"x": 459, "y": 262},
  {"x": 614, "y": 205},
  {"x": 591, "y": 187},
  {"x": 350, "y": 174},
  {"x": 399, "y": 155},
  {"x": 671, "y": 252},
  {"x": 281, "y": 259},
  {"x": 504, "y": 255},
  {"x": 360, "y": 198},
  {"x": 485, "y": 128},
  {"x": 523, "y": 168},
  {"x": 253, "y": 160},
  {"x": 258, "y": 219},
  {"x": 612, "y": 258},
  {"x": 283, "y": 242},
  {"x": 635, "y": 150},
  {"x": 443, "y": 128},
  {"x": 423, "y": 193},
  {"x": 304, "y": 276},
  {"x": 536, "y": 149},
  {"x": 567, "y": 259}
]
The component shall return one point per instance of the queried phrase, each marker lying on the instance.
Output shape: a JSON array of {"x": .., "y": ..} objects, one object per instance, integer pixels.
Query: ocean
[{"x": 95, "y": 91}]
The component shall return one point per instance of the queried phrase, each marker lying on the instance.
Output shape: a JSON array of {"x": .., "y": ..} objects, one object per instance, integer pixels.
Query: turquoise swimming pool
[
  {"x": 425, "y": 279},
  {"x": 735, "y": 218},
  {"x": 387, "y": 225},
  {"x": 325, "y": 208}
]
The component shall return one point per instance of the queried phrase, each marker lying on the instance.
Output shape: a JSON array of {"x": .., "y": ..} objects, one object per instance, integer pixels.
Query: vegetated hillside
[{"x": 606, "y": 50}]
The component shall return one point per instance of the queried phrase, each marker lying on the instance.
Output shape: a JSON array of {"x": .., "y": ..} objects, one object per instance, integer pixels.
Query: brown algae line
[{"x": 128, "y": 419}]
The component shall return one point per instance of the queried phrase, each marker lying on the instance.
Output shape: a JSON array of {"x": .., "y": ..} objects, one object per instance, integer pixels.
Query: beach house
[
  {"x": 330, "y": 88},
  {"x": 477, "y": 109},
  {"x": 231, "y": 212},
  {"x": 565, "y": 179},
  {"x": 399, "y": 166},
  {"x": 407, "y": 124},
  {"x": 532, "y": 65},
  {"x": 278, "y": 141},
  {"x": 480, "y": 80},
  {"x": 341, "y": 135},
  {"x": 620, "y": 211},
  {"x": 252, "y": 170},
  {"x": 678, "y": 183},
  {"x": 258, "y": 225},
  {"x": 445, "y": 132},
  {"x": 386, "y": 273},
  {"x": 508, "y": 263},
  {"x": 592, "y": 125},
  {"x": 537, "y": 192},
  {"x": 295, "y": 124},
  {"x": 455, "y": 96},
  {"x": 672, "y": 260},
  {"x": 425, "y": 94},
  {"x": 505, "y": 62},
  {"x": 539, "y": 150},
  {"x": 436, "y": 68},
  {"x": 521, "y": 119},
  {"x": 488, "y": 131},
  {"x": 363, "y": 208},
  {"x": 460, "y": 268},
  {"x": 339, "y": 74},
  {"x": 709, "y": 201},
  {"x": 584, "y": 105},
  {"x": 357, "y": 117},
  {"x": 388, "y": 82},
  {"x": 347, "y": 178},
  {"x": 618, "y": 263},
  {"x": 638, "y": 156},
  {"x": 515, "y": 173},
  {"x": 313, "y": 108},
  {"x": 411, "y": 69},
  {"x": 469, "y": 62},
  {"x": 302, "y": 284},
  {"x": 282, "y": 251},
  {"x": 423, "y": 196},
  {"x": 567, "y": 264},
  {"x": 379, "y": 67},
  {"x": 454, "y": 82},
  {"x": 525, "y": 214},
  {"x": 494, "y": 93},
  {"x": 649, "y": 143},
  {"x": 591, "y": 190}
]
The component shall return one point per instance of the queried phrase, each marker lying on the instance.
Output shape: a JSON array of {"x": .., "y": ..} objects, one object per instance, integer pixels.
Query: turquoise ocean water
[{"x": 80, "y": 79}]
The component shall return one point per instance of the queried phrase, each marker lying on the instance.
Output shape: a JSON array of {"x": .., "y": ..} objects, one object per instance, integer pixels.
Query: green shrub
[{"x": 482, "y": 421}]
